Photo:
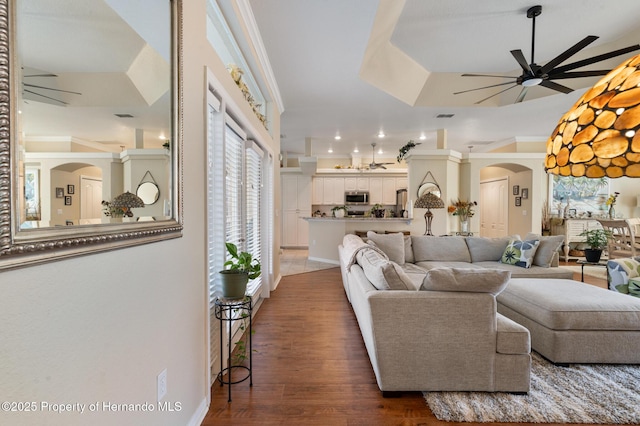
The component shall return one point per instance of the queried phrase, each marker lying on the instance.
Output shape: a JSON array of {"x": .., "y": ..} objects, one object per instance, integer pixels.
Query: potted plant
[
  {"x": 340, "y": 211},
  {"x": 596, "y": 239},
  {"x": 377, "y": 210},
  {"x": 239, "y": 270}
]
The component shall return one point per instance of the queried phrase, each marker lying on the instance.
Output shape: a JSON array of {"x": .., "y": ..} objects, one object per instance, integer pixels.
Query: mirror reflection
[
  {"x": 94, "y": 109},
  {"x": 429, "y": 187}
]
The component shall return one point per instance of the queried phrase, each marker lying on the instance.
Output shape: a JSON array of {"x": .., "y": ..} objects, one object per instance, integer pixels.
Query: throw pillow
[
  {"x": 485, "y": 249},
  {"x": 408, "y": 250},
  {"x": 383, "y": 274},
  {"x": 471, "y": 280},
  {"x": 391, "y": 244},
  {"x": 621, "y": 271},
  {"x": 634, "y": 287},
  {"x": 549, "y": 246},
  {"x": 520, "y": 252}
]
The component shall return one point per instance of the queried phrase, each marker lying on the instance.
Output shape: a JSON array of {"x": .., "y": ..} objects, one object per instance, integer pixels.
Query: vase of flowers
[
  {"x": 464, "y": 211},
  {"x": 611, "y": 202}
]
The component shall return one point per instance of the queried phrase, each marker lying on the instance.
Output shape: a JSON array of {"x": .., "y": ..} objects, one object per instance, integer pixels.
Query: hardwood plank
[{"x": 311, "y": 365}]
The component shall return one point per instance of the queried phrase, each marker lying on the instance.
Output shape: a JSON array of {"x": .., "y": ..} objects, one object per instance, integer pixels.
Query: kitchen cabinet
[
  {"x": 388, "y": 191},
  {"x": 375, "y": 191},
  {"x": 333, "y": 191},
  {"x": 356, "y": 184},
  {"x": 318, "y": 191},
  {"x": 296, "y": 204}
]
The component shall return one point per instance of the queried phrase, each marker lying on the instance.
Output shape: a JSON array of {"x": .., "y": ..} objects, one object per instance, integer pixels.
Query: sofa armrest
[{"x": 428, "y": 340}]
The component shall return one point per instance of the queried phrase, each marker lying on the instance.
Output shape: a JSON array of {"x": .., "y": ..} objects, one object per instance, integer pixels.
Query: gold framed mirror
[{"x": 89, "y": 102}]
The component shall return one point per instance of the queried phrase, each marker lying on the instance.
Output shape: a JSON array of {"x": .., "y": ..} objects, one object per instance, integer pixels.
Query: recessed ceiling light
[
  {"x": 380, "y": 151},
  {"x": 337, "y": 137},
  {"x": 422, "y": 137},
  {"x": 381, "y": 134},
  {"x": 161, "y": 136},
  {"x": 330, "y": 151},
  {"x": 356, "y": 150}
]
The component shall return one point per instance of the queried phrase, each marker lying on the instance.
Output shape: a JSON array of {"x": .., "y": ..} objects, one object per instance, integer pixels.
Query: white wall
[{"x": 101, "y": 327}]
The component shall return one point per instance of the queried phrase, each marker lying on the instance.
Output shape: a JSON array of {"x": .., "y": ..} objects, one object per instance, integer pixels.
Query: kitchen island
[{"x": 326, "y": 233}]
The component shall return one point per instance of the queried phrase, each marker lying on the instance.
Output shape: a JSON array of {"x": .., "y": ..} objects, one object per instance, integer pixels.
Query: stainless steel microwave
[{"x": 356, "y": 198}]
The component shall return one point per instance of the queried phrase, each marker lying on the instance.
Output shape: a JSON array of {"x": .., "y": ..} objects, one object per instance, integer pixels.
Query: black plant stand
[{"x": 227, "y": 311}]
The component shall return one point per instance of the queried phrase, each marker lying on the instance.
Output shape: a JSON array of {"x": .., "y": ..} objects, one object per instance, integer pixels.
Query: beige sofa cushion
[
  {"x": 548, "y": 247},
  {"x": 482, "y": 249},
  {"x": 408, "y": 250},
  {"x": 382, "y": 273},
  {"x": 452, "y": 249},
  {"x": 391, "y": 244},
  {"x": 471, "y": 280}
]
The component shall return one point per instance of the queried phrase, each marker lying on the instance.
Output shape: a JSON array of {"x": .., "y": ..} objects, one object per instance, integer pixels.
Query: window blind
[{"x": 253, "y": 220}]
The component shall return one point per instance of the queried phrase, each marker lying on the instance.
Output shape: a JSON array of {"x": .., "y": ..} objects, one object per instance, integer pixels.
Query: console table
[
  {"x": 227, "y": 311},
  {"x": 571, "y": 230}
]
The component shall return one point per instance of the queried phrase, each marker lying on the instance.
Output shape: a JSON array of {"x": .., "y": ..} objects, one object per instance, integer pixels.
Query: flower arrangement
[
  {"x": 611, "y": 201},
  {"x": 463, "y": 209}
]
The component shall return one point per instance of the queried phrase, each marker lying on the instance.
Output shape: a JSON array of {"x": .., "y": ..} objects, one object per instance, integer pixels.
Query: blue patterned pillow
[{"x": 520, "y": 253}]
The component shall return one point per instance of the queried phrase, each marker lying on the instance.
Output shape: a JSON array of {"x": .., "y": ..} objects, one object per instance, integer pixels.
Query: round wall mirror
[
  {"x": 429, "y": 187},
  {"x": 148, "y": 192}
]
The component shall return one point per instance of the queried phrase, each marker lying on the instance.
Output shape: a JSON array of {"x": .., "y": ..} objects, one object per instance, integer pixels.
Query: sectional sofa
[{"x": 449, "y": 337}]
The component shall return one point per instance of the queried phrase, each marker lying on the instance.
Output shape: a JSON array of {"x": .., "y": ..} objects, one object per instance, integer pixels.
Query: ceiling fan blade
[
  {"x": 555, "y": 86},
  {"x": 49, "y": 88},
  {"x": 495, "y": 94},
  {"x": 595, "y": 59},
  {"x": 578, "y": 74},
  {"x": 485, "y": 87},
  {"x": 522, "y": 94},
  {"x": 522, "y": 61},
  {"x": 40, "y": 75},
  {"x": 47, "y": 97},
  {"x": 567, "y": 54},
  {"x": 487, "y": 75}
]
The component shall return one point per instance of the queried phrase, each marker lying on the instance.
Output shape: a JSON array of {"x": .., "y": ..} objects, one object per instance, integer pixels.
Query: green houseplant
[
  {"x": 597, "y": 240},
  {"x": 340, "y": 211},
  {"x": 377, "y": 210},
  {"x": 238, "y": 271}
]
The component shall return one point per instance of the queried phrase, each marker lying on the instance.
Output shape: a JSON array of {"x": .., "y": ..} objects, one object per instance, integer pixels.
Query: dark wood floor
[{"x": 311, "y": 366}]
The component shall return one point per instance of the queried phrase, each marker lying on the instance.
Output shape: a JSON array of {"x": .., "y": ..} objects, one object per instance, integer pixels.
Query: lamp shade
[
  {"x": 599, "y": 136},
  {"x": 429, "y": 201},
  {"x": 127, "y": 201}
]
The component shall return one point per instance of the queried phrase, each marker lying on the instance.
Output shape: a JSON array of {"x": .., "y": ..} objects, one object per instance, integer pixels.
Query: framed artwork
[
  {"x": 59, "y": 192},
  {"x": 71, "y": 189},
  {"x": 67, "y": 200},
  {"x": 516, "y": 189},
  {"x": 518, "y": 201},
  {"x": 525, "y": 193}
]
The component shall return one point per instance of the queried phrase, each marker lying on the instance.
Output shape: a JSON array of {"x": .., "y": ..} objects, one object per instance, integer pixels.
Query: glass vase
[
  {"x": 464, "y": 225},
  {"x": 612, "y": 212}
]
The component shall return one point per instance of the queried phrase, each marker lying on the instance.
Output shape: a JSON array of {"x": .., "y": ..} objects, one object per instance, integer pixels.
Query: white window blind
[
  {"x": 233, "y": 182},
  {"x": 215, "y": 195},
  {"x": 253, "y": 220}
]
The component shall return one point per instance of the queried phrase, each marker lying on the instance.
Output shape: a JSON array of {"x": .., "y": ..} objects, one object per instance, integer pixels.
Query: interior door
[
  {"x": 90, "y": 198},
  {"x": 494, "y": 208}
]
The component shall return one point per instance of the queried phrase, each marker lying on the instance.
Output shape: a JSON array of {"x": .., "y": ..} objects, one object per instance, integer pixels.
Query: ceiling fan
[
  {"x": 542, "y": 75},
  {"x": 373, "y": 165},
  {"x": 34, "y": 89}
]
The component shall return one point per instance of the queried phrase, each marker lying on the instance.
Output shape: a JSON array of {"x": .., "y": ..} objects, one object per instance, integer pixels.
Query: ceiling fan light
[{"x": 532, "y": 82}]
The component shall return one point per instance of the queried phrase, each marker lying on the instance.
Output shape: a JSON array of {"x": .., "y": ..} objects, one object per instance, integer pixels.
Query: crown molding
[{"x": 249, "y": 22}]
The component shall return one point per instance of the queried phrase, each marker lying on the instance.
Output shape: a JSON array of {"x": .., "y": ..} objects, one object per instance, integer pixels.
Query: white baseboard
[
  {"x": 320, "y": 259},
  {"x": 198, "y": 417},
  {"x": 276, "y": 282}
]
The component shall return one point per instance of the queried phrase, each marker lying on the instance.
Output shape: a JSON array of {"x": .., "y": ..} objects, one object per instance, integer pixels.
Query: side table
[
  {"x": 584, "y": 262},
  {"x": 227, "y": 311}
]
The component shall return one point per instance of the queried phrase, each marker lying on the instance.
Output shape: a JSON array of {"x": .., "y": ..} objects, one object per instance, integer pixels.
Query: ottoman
[{"x": 573, "y": 322}]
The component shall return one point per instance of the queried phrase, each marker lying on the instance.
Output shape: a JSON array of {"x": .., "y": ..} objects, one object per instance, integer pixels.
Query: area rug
[
  {"x": 592, "y": 271},
  {"x": 579, "y": 393}
]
